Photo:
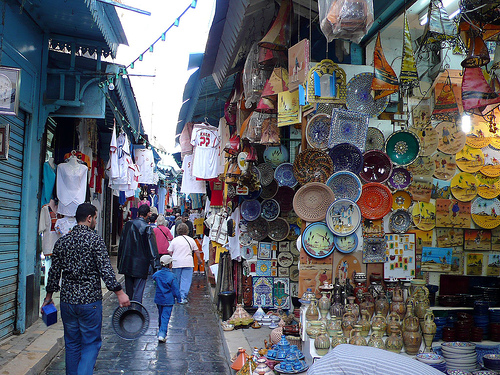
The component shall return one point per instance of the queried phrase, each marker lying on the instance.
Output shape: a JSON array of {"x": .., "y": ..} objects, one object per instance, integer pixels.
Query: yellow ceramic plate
[
  {"x": 445, "y": 166},
  {"x": 470, "y": 159},
  {"x": 424, "y": 166},
  {"x": 451, "y": 138},
  {"x": 494, "y": 141},
  {"x": 491, "y": 161},
  {"x": 488, "y": 187},
  {"x": 464, "y": 186},
  {"x": 424, "y": 215},
  {"x": 401, "y": 199},
  {"x": 429, "y": 140},
  {"x": 485, "y": 212},
  {"x": 477, "y": 142}
]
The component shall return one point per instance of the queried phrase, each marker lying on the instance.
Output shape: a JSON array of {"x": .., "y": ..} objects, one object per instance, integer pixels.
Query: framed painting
[
  {"x": 493, "y": 267},
  {"x": 452, "y": 213},
  {"x": 437, "y": 259},
  {"x": 495, "y": 239},
  {"x": 474, "y": 264},
  {"x": 10, "y": 87},
  {"x": 477, "y": 239},
  {"x": 449, "y": 237}
]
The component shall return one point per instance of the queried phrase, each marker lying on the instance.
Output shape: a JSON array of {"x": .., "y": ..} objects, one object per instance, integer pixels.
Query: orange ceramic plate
[{"x": 488, "y": 187}]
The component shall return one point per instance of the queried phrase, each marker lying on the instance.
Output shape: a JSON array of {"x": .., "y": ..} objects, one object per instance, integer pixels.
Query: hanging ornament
[
  {"x": 477, "y": 54},
  {"x": 385, "y": 81},
  {"x": 278, "y": 36},
  {"x": 408, "y": 77},
  {"x": 477, "y": 95},
  {"x": 446, "y": 108},
  {"x": 278, "y": 82}
]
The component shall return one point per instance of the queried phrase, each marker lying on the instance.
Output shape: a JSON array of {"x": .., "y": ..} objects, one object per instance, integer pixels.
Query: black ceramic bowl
[{"x": 492, "y": 361}]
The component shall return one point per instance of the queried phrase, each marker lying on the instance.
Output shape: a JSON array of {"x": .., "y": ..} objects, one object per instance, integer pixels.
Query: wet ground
[{"x": 194, "y": 343}]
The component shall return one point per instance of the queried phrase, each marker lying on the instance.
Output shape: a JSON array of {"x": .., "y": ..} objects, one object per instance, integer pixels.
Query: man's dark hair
[
  {"x": 153, "y": 218},
  {"x": 84, "y": 210},
  {"x": 144, "y": 210}
]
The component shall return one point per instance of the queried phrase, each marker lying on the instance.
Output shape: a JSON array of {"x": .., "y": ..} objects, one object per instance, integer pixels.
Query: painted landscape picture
[
  {"x": 450, "y": 237},
  {"x": 452, "y": 213},
  {"x": 493, "y": 268},
  {"x": 474, "y": 264},
  {"x": 440, "y": 189},
  {"x": 477, "y": 239},
  {"x": 436, "y": 259},
  {"x": 495, "y": 239}
]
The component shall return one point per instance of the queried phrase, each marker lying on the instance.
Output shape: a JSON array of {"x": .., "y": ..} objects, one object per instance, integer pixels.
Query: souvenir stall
[{"x": 355, "y": 200}]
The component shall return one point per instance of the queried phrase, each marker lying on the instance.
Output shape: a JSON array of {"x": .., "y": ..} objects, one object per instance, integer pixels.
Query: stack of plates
[
  {"x": 460, "y": 355},
  {"x": 433, "y": 360}
]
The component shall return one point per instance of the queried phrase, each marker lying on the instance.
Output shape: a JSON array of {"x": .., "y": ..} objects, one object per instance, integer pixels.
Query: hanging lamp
[
  {"x": 408, "y": 78},
  {"x": 385, "y": 82}
]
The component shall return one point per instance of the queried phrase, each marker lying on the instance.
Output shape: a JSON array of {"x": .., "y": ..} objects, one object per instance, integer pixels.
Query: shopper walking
[
  {"x": 137, "y": 252},
  {"x": 163, "y": 235},
  {"x": 182, "y": 249},
  {"x": 167, "y": 290},
  {"x": 81, "y": 259},
  {"x": 189, "y": 223}
]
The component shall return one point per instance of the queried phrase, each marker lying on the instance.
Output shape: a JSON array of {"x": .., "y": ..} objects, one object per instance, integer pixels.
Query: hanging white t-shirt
[
  {"x": 63, "y": 226},
  {"x": 124, "y": 162},
  {"x": 189, "y": 183},
  {"x": 112, "y": 167},
  {"x": 47, "y": 229},
  {"x": 71, "y": 186},
  {"x": 206, "y": 152},
  {"x": 145, "y": 161},
  {"x": 233, "y": 243}
]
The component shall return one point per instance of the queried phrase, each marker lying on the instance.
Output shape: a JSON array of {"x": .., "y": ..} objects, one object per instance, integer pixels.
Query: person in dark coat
[{"x": 137, "y": 252}]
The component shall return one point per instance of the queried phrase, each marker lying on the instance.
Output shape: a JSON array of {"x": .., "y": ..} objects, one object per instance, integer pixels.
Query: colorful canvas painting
[
  {"x": 452, "y": 213},
  {"x": 493, "y": 267},
  {"x": 289, "y": 112},
  {"x": 421, "y": 188},
  {"x": 440, "y": 189},
  {"x": 422, "y": 238},
  {"x": 436, "y": 259},
  {"x": 399, "y": 255},
  {"x": 314, "y": 277},
  {"x": 457, "y": 262},
  {"x": 263, "y": 292},
  {"x": 281, "y": 293},
  {"x": 445, "y": 166},
  {"x": 263, "y": 267},
  {"x": 477, "y": 239},
  {"x": 373, "y": 228},
  {"x": 449, "y": 237},
  {"x": 495, "y": 239},
  {"x": 298, "y": 62},
  {"x": 346, "y": 266},
  {"x": 474, "y": 264}
]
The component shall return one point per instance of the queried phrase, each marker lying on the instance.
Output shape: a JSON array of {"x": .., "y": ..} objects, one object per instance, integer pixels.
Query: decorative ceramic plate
[
  {"x": 424, "y": 166},
  {"x": 402, "y": 147},
  {"x": 245, "y": 239},
  {"x": 318, "y": 131},
  {"x": 346, "y": 157},
  {"x": 430, "y": 358},
  {"x": 294, "y": 232},
  {"x": 491, "y": 166},
  {"x": 374, "y": 249},
  {"x": 258, "y": 229},
  {"x": 270, "y": 209},
  {"x": 451, "y": 138},
  {"x": 375, "y": 201},
  {"x": 278, "y": 229},
  {"x": 312, "y": 200},
  {"x": 270, "y": 190},
  {"x": 318, "y": 240},
  {"x": 359, "y": 97},
  {"x": 374, "y": 139},
  {"x": 470, "y": 159},
  {"x": 486, "y": 212},
  {"x": 284, "y": 196},
  {"x": 464, "y": 186},
  {"x": 345, "y": 185},
  {"x": 312, "y": 165},
  {"x": 429, "y": 140},
  {"x": 424, "y": 215},
  {"x": 400, "y": 178},
  {"x": 348, "y": 126},
  {"x": 488, "y": 187},
  {"x": 266, "y": 173},
  {"x": 346, "y": 244},
  {"x": 377, "y": 167},
  {"x": 445, "y": 166},
  {"x": 294, "y": 273},
  {"x": 477, "y": 141},
  {"x": 285, "y": 258},
  {"x": 284, "y": 175},
  {"x": 242, "y": 161},
  {"x": 400, "y": 221},
  {"x": 459, "y": 344},
  {"x": 247, "y": 252},
  {"x": 275, "y": 155},
  {"x": 343, "y": 217},
  {"x": 401, "y": 199},
  {"x": 250, "y": 209}
]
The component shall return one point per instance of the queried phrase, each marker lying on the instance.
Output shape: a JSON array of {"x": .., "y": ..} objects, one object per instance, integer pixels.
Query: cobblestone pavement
[{"x": 194, "y": 342}]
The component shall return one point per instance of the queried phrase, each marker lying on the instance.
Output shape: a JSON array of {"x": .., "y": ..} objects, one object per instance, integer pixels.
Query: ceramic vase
[
  {"x": 412, "y": 338},
  {"x": 420, "y": 297},
  {"x": 333, "y": 325},
  {"x": 313, "y": 328},
  {"x": 322, "y": 342},
  {"x": 429, "y": 329},
  {"x": 367, "y": 304},
  {"x": 365, "y": 324},
  {"x": 312, "y": 312},
  {"x": 324, "y": 305},
  {"x": 376, "y": 339},
  {"x": 348, "y": 321},
  {"x": 393, "y": 321},
  {"x": 337, "y": 339},
  {"x": 398, "y": 305},
  {"x": 356, "y": 338},
  {"x": 394, "y": 342},
  {"x": 360, "y": 289},
  {"x": 379, "y": 322},
  {"x": 337, "y": 308},
  {"x": 382, "y": 304},
  {"x": 354, "y": 307}
]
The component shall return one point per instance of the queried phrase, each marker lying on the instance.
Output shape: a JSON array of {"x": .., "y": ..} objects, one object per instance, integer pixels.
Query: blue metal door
[{"x": 11, "y": 175}]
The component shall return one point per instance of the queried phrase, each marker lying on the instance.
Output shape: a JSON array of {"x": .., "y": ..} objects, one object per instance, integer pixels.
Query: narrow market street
[{"x": 194, "y": 344}]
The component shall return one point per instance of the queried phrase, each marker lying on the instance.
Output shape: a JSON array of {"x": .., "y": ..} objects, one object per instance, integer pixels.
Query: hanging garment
[
  {"x": 162, "y": 192},
  {"x": 112, "y": 167},
  {"x": 71, "y": 186},
  {"x": 185, "y": 140},
  {"x": 145, "y": 162},
  {"x": 46, "y": 228},
  {"x": 49, "y": 180},
  {"x": 206, "y": 144},
  {"x": 63, "y": 226},
  {"x": 189, "y": 183}
]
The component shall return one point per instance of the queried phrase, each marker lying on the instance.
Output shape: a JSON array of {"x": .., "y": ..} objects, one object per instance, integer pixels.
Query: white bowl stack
[{"x": 460, "y": 355}]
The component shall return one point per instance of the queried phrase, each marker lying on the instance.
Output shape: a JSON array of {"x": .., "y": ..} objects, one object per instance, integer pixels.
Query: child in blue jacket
[{"x": 167, "y": 289}]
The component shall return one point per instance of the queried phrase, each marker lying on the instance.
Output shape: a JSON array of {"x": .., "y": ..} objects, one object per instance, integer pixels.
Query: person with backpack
[{"x": 163, "y": 235}]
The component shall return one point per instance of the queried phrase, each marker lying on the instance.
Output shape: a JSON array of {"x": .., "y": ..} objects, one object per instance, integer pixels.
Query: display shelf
[{"x": 446, "y": 308}]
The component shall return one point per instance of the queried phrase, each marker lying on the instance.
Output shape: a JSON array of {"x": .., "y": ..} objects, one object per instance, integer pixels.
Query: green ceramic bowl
[{"x": 402, "y": 147}]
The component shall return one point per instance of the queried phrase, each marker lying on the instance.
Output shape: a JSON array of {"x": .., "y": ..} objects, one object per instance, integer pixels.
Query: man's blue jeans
[
  {"x": 82, "y": 336},
  {"x": 185, "y": 277}
]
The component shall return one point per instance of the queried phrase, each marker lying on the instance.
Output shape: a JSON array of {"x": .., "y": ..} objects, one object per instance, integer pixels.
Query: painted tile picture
[
  {"x": 474, "y": 264},
  {"x": 264, "y": 251},
  {"x": 452, "y": 213},
  {"x": 440, "y": 189},
  {"x": 436, "y": 259},
  {"x": 281, "y": 293},
  {"x": 450, "y": 237},
  {"x": 477, "y": 239},
  {"x": 493, "y": 267},
  {"x": 263, "y": 267},
  {"x": 421, "y": 188},
  {"x": 422, "y": 238},
  {"x": 263, "y": 292},
  {"x": 495, "y": 239},
  {"x": 373, "y": 228},
  {"x": 289, "y": 111}
]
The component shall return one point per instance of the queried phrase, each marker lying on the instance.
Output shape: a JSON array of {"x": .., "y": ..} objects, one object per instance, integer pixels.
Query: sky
[{"x": 160, "y": 97}]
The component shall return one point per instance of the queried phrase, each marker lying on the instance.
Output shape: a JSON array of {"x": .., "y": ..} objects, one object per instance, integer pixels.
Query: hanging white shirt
[
  {"x": 71, "y": 186},
  {"x": 145, "y": 161},
  {"x": 189, "y": 183},
  {"x": 224, "y": 135},
  {"x": 124, "y": 161},
  {"x": 112, "y": 167},
  {"x": 206, "y": 153},
  {"x": 48, "y": 232},
  {"x": 63, "y": 226},
  {"x": 233, "y": 243}
]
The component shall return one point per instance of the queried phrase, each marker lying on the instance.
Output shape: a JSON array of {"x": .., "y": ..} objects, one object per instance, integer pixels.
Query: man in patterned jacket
[{"x": 81, "y": 257}]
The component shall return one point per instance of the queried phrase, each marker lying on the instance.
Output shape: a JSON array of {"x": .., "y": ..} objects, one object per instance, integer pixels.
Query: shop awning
[{"x": 79, "y": 18}]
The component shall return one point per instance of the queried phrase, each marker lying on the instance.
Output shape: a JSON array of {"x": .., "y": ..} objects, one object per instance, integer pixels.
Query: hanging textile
[
  {"x": 385, "y": 82},
  {"x": 446, "y": 108},
  {"x": 476, "y": 93},
  {"x": 408, "y": 77}
]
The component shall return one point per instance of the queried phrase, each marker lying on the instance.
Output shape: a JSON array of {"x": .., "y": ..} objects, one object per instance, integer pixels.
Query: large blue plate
[
  {"x": 284, "y": 175},
  {"x": 345, "y": 185},
  {"x": 250, "y": 209},
  {"x": 270, "y": 209},
  {"x": 346, "y": 244},
  {"x": 318, "y": 240},
  {"x": 346, "y": 157}
]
